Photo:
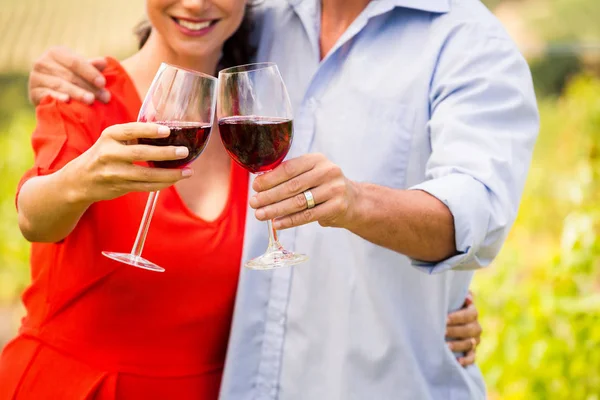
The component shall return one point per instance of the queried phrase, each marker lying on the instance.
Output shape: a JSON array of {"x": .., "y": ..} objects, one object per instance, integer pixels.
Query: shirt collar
[{"x": 436, "y": 6}]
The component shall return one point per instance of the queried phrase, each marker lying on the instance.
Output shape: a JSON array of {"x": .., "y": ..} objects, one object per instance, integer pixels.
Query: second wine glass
[
  {"x": 184, "y": 101},
  {"x": 256, "y": 127}
]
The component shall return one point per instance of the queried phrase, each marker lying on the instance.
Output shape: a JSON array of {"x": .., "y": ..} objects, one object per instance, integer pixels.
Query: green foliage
[
  {"x": 576, "y": 20},
  {"x": 491, "y": 4},
  {"x": 13, "y": 97},
  {"x": 17, "y": 121},
  {"x": 540, "y": 302},
  {"x": 551, "y": 72},
  {"x": 559, "y": 20}
]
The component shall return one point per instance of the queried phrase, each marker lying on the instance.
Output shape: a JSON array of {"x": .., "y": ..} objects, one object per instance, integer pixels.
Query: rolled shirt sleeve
[{"x": 483, "y": 126}]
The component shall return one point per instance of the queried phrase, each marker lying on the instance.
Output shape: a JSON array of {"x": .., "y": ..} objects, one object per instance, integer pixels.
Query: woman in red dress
[{"x": 99, "y": 329}]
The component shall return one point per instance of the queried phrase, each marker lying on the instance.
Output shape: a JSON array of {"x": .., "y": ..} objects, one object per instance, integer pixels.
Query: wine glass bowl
[
  {"x": 258, "y": 144},
  {"x": 193, "y": 135}
]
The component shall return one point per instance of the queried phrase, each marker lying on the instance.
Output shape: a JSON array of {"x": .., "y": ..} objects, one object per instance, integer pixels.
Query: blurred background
[{"x": 540, "y": 301}]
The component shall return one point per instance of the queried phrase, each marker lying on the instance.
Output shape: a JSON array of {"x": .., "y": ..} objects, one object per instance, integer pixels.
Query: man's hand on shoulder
[{"x": 65, "y": 75}]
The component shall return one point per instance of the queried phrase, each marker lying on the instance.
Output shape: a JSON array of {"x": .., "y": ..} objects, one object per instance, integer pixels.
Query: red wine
[
  {"x": 258, "y": 144},
  {"x": 192, "y": 135}
]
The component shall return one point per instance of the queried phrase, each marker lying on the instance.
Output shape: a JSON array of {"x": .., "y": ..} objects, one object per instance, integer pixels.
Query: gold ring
[{"x": 310, "y": 200}]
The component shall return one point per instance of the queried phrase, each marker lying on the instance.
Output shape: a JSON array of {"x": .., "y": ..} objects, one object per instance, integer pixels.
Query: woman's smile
[{"x": 194, "y": 27}]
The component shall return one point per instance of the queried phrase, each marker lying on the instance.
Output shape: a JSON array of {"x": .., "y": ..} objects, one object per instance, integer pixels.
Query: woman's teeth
[{"x": 193, "y": 26}]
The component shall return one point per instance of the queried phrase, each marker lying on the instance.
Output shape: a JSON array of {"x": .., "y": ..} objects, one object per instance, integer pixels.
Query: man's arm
[
  {"x": 410, "y": 222},
  {"x": 483, "y": 127},
  {"x": 424, "y": 230}
]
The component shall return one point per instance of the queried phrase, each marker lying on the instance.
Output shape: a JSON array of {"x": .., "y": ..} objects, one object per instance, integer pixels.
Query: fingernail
[
  {"x": 276, "y": 225},
  {"x": 450, "y": 346},
  {"x": 88, "y": 98},
  {"x": 448, "y": 321},
  {"x": 100, "y": 81},
  {"x": 164, "y": 130},
  {"x": 187, "y": 172},
  {"x": 260, "y": 214},
  {"x": 253, "y": 202},
  {"x": 181, "y": 152},
  {"x": 64, "y": 97},
  {"x": 104, "y": 96}
]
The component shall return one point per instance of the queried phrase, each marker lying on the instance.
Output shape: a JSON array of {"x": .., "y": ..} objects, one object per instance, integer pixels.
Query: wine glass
[
  {"x": 255, "y": 122},
  {"x": 184, "y": 101}
]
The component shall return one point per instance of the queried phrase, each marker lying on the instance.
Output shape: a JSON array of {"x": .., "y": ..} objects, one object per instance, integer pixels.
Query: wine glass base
[
  {"x": 276, "y": 259},
  {"x": 133, "y": 260}
]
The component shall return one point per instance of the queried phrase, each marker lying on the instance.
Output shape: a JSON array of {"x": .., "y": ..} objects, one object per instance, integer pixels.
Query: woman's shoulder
[{"x": 120, "y": 84}]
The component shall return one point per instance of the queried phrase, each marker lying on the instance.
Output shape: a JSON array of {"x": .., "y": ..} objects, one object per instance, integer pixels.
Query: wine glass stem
[
  {"x": 273, "y": 241},
  {"x": 138, "y": 246}
]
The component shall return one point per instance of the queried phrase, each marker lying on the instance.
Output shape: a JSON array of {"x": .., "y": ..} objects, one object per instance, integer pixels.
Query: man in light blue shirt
[
  {"x": 425, "y": 117},
  {"x": 414, "y": 127}
]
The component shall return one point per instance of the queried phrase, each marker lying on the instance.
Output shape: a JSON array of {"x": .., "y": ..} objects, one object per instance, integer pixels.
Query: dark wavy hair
[{"x": 237, "y": 50}]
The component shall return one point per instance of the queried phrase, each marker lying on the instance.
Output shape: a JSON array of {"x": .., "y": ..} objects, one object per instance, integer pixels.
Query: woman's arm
[
  {"x": 50, "y": 206},
  {"x": 48, "y": 211}
]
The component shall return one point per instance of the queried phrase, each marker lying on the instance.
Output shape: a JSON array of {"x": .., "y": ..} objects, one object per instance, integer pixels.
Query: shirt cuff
[{"x": 468, "y": 201}]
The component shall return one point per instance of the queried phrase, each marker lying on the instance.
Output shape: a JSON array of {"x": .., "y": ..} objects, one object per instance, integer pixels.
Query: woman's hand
[
  {"x": 280, "y": 193},
  {"x": 464, "y": 331},
  {"x": 50, "y": 206},
  {"x": 64, "y": 75},
  {"x": 107, "y": 169}
]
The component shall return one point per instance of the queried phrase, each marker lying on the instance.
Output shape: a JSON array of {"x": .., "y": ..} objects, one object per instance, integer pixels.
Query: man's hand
[
  {"x": 280, "y": 193},
  {"x": 64, "y": 75}
]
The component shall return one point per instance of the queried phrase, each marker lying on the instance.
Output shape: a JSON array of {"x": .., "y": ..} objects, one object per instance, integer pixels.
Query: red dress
[{"x": 98, "y": 329}]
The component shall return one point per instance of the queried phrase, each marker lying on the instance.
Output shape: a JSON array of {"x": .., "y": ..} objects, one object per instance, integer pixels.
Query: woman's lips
[{"x": 194, "y": 28}]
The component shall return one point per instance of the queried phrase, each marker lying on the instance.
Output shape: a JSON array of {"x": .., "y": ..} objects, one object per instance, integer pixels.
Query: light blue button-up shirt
[{"x": 421, "y": 94}]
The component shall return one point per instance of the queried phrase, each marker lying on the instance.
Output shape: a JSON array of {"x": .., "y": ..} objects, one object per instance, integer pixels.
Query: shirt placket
[
  {"x": 267, "y": 383},
  {"x": 269, "y": 369}
]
